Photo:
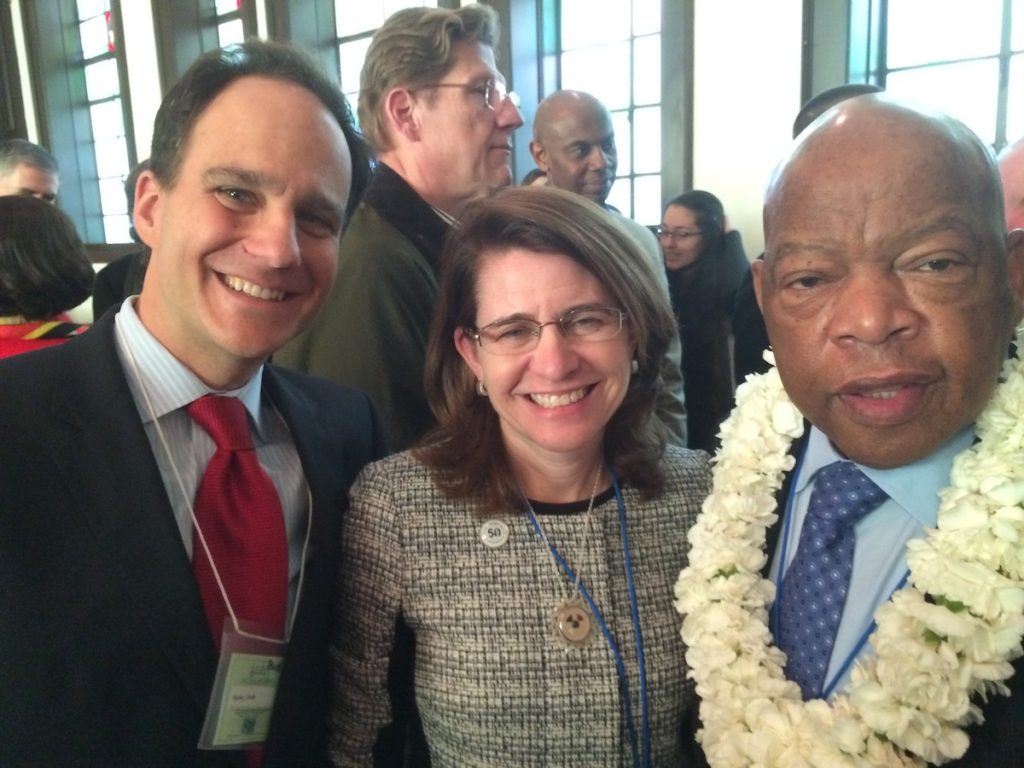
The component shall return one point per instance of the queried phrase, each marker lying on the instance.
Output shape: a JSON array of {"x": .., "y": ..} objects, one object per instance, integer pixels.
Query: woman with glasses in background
[
  {"x": 705, "y": 265},
  {"x": 531, "y": 542}
]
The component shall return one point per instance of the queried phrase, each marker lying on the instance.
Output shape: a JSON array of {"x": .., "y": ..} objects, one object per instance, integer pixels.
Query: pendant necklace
[{"x": 572, "y": 621}]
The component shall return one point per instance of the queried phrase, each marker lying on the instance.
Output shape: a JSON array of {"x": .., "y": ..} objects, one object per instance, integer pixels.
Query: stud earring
[{"x": 634, "y": 366}]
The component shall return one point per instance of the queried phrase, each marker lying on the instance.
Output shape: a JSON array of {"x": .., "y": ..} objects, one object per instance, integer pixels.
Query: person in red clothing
[{"x": 44, "y": 272}]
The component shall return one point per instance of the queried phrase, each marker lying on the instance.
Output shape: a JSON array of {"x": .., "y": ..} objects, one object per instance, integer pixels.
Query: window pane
[
  {"x": 351, "y": 18},
  {"x": 647, "y": 199},
  {"x": 354, "y": 17},
  {"x": 352, "y": 56},
  {"x": 941, "y": 30},
  {"x": 593, "y": 22},
  {"x": 227, "y": 6},
  {"x": 101, "y": 80},
  {"x": 646, "y": 16},
  {"x": 1015, "y": 100},
  {"x": 89, "y": 8},
  {"x": 115, "y": 229},
  {"x": 1017, "y": 33},
  {"x": 107, "y": 120},
  {"x": 968, "y": 91},
  {"x": 621, "y": 196},
  {"x": 112, "y": 158},
  {"x": 647, "y": 140},
  {"x": 623, "y": 142},
  {"x": 647, "y": 70},
  {"x": 603, "y": 71},
  {"x": 390, "y": 6},
  {"x": 230, "y": 32},
  {"x": 112, "y": 199},
  {"x": 94, "y": 37}
]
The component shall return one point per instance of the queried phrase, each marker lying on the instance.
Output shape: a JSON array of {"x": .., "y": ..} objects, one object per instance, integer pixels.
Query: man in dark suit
[
  {"x": 890, "y": 290},
  {"x": 107, "y": 654}
]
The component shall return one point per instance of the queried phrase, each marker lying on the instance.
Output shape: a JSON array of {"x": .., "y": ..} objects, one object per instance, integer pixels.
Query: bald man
[
  {"x": 574, "y": 145},
  {"x": 890, "y": 289},
  {"x": 1011, "y": 171}
]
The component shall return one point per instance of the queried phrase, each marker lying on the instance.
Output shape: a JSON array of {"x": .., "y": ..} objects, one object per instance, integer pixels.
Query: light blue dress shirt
[
  {"x": 162, "y": 387},
  {"x": 879, "y": 560}
]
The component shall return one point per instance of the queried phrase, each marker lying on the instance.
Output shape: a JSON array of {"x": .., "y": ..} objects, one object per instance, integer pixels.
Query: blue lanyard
[
  {"x": 830, "y": 685},
  {"x": 640, "y": 752}
]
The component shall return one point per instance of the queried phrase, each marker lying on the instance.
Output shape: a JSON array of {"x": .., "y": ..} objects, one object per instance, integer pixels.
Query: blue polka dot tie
[{"x": 814, "y": 589}]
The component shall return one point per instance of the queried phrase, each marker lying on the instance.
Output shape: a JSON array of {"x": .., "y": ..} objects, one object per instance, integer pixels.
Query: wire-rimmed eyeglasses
[
  {"x": 665, "y": 233},
  {"x": 516, "y": 335},
  {"x": 494, "y": 92}
]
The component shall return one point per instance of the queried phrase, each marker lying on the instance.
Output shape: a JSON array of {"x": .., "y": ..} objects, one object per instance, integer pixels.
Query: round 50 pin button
[{"x": 494, "y": 533}]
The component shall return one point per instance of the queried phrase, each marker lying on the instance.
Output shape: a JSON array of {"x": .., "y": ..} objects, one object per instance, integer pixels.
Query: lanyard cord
[
  {"x": 640, "y": 752},
  {"x": 828, "y": 689},
  {"x": 637, "y": 635},
  {"x": 195, "y": 523}
]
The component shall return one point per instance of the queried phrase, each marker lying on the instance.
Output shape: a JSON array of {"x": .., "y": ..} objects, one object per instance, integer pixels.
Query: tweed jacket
[{"x": 493, "y": 686}]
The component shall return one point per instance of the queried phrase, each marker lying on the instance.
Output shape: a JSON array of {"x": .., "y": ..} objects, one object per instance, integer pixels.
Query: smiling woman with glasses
[
  {"x": 532, "y": 540},
  {"x": 581, "y": 324}
]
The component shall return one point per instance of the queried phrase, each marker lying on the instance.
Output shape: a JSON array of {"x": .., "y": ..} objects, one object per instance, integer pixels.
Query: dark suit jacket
[
  {"x": 105, "y": 656},
  {"x": 996, "y": 743}
]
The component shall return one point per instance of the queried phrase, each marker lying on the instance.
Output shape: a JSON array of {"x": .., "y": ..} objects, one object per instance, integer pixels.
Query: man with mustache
[
  {"x": 574, "y": 144},
  {"x": 890, "y": 290}
]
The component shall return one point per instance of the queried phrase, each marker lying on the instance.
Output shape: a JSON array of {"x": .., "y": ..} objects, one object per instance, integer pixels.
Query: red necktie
[{"x": 239, "y": 513}]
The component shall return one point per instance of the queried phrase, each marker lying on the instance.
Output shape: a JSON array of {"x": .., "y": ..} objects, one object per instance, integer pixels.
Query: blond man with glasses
[{"x": 438, "y": 113}]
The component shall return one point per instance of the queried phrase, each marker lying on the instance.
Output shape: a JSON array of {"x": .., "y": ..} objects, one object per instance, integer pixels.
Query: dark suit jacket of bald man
[{"x": 105, "y": 655}]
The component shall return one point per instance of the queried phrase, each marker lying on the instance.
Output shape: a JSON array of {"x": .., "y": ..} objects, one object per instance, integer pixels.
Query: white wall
[{"x": 746, "y": 94}]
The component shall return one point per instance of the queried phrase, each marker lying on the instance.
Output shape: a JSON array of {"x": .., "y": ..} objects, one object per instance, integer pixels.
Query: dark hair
[
  {"x": 710, "y": 218},
  {"x": 466, "y": 452},
  {"x": 43, "y": 268},
  {"x": 531, "y": 176},
  {"x": 710, "y": 273},
  {"x": 15, "y": 152},
  {"x": 820, "y": 103},
  {"x": 212, "y": 72}
]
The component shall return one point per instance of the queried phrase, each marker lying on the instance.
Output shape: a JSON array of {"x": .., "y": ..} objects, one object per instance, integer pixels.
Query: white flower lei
[{"x": 947, "y": 637}]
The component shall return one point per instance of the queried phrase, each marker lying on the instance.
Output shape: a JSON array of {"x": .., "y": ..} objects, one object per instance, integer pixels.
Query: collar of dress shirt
[
  {"x": 169, "y": 383},
  {"x": 914, "y": 487}
]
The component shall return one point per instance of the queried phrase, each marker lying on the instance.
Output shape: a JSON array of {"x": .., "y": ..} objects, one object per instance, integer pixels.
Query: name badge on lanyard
[{"x": 242, "y": 699}]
